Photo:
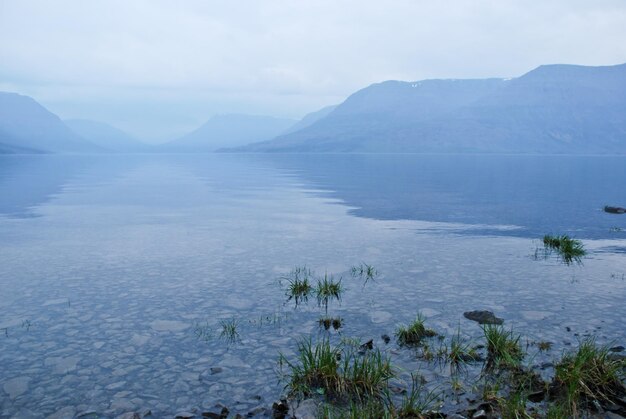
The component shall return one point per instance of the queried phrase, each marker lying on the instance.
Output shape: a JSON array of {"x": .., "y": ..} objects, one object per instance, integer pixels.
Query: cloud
[{"x": 279, "y": 57}]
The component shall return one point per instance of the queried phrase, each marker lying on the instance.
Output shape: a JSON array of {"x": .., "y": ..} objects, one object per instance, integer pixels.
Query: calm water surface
[{"x": 116, "y": 271}]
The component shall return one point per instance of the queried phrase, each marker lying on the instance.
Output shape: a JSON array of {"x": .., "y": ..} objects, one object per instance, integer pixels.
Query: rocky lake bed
[{"x": 117, "y": 302}]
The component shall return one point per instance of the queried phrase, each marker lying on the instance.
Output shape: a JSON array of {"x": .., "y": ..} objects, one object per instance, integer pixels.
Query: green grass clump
[
  {"x": 544, "y": 345},
  {"x": 414, "y": 333},
  {"x": 589, "y": 374},
  {"x": 570, "y": 250},
  {"x": 328, "y": 289},
  {"x": 513, "y": 406},
  {"x": 363, "y": 270},
  {"x": 337, "y": 372},
  {"x": 418, "y": 402},
  {"x": 299, "y": 285},
  {"x": 459, "y": 352},
  {"x": 355, "y": 410},
  {"x": 503, "y": 347},
  {"x": 229, "y": 330},
  {"x": 328, "y": 322}
]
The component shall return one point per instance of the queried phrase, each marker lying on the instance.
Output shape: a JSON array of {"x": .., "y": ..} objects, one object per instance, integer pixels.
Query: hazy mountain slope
[
  {"x": 105, "y": 135},
  {"x": 552, "y": 109},
  {"x": 310, "y": 119},
  {"x": 363, "y": 121},
  {"x": 229, "y": 131},
  {"x": 25, "y": 123},
  {"x": 11, "y": 149}
]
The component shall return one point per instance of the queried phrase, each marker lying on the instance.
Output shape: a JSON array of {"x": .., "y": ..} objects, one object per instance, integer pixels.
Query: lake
[{"x": 118, "y": 272}]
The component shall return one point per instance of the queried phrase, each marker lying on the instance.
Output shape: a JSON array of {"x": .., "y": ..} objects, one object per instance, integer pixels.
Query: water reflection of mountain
[
  {"x": 548, "y": 194},
  {"x": 540, "y": 194},
  {"x": 28, "y": 181}
]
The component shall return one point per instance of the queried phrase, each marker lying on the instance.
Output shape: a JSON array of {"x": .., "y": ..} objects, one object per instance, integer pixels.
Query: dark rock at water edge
[
  {"x": 614, "y": 210},
  {"x": 280, "y": 409},
  {"x": 483, "y": 317},
  {"x": 218, "y": 412}
]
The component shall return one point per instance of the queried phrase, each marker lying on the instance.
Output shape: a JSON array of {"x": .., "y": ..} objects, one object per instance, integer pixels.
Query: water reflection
[{"x": 538, "y": 194}]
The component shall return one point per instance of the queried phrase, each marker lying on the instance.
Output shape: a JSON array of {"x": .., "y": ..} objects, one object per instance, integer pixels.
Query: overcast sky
[{"x": 160, "y": 68}]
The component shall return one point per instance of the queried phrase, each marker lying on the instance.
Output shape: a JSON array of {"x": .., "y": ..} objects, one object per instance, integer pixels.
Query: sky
[{"x": 158, "y": 69}]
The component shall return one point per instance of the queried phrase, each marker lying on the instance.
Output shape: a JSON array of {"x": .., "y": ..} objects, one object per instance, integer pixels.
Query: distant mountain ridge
[
  {"x": 26, "y": 125},
  {"x": 552, "y": 109},
  {"x": 310, "y": 119},
  {"x": 106, "y": 136},
  {"x": 230, "y": 130}
]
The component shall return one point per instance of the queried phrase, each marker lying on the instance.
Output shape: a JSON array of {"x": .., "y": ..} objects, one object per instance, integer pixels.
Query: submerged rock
[
  {"x": 306, "y": 409},
  {"x": 280, "y": 410},
  {"x": 219, "y": 411},
  {"x": 483, "y": 317},
  {"x": 614, "y": 210},
  {"x": 16, "y": 386}
]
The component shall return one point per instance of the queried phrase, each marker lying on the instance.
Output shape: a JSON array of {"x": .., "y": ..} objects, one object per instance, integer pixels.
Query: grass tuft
[
  {"x": 459, "y": 352},
  {"x": 418, "y": 402},
  {"x": 328, "y": 322},
  {"x": 589, "y": 374},
  {"x": 299, "y": 285},
  {"x": 570, "y": 250},
  {"x": 503, "y": 347},
  {"x": 363, "y": 270},
  {"x": 414, "y": 333},
  {"x": 337, "y": 372},
  {"x": 229, "y": 330},
  {"x": 328, "y": 289}
]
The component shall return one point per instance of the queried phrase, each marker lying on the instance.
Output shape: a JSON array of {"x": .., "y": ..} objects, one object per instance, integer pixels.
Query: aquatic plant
[
  {"x": 513, "y": 406},
  {"x": 337, "y": 372},
  {"x": 327, "y": 322},
  {"x": 229, "y": 330},
  {"x": 363, "y": 270},
  {"x": 372, "y": 408},
  {"x": 569, "y": 250},
  {"x": 415, "y": 332},
  {"x": 544, "y": 345},
  {"x": 299, "y": 286},
  {"x": 203, "y": 331},
  {"x": 418, "y": 400},
  {"x": 589, "y": 374},
  {"x": 503, "y": 347},
  {"x": 458, "y": 352},
  {"x": 328, "y": 289}
]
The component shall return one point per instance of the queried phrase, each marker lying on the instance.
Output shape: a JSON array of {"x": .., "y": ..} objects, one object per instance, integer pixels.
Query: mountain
[
  {"x": 310, "y": 119},
  {"x": 25, "y": 124},
  {"x": 106, "y": 136},
  {"x": 231, "y": 130},
  {"x": 552, "y": 109}
]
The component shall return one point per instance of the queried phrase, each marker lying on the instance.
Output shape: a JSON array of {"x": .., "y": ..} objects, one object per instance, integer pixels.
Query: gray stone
[
  {"x": 87, "y": 413},
  {"x": 307, "y": 409},
  {"x": 483, "y": 317},
  {"x": 380, "y": 316},
  {"x": 480, "y": 414},
  {"x": 67, "y": 412},
  {"x": 17, "y": 386},
  {"x": 116, "y": 386}
]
